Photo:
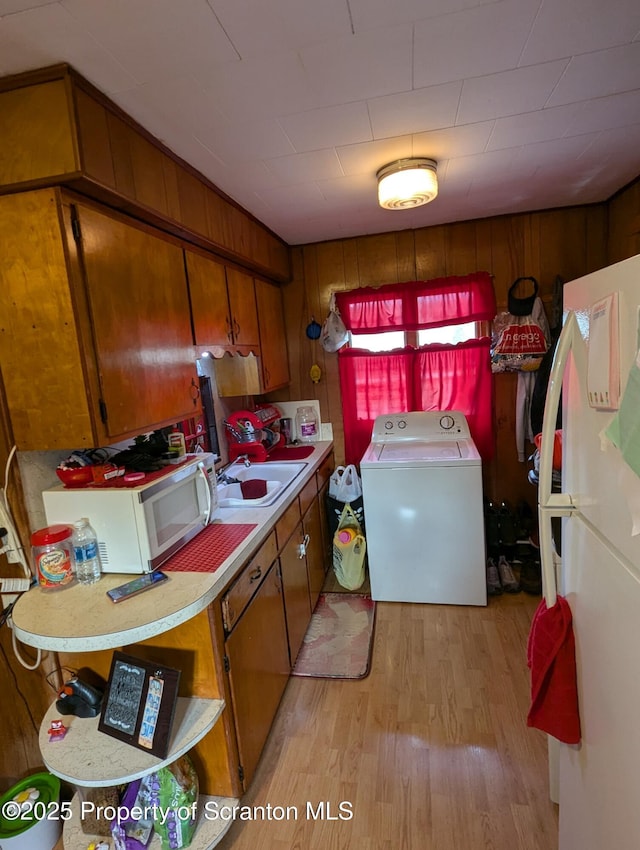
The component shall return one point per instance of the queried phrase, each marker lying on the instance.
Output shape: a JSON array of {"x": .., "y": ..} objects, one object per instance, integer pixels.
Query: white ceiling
[{"x": 291, "y": 106}]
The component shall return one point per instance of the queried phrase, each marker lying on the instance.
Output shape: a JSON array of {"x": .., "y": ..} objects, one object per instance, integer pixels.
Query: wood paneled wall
[
  {"x": 624, "y": 224},
  {"x": 568, "y": 242}
]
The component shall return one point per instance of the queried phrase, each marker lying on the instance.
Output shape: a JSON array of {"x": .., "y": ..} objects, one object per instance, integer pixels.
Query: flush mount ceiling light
[{"x": 407, "y": 183}]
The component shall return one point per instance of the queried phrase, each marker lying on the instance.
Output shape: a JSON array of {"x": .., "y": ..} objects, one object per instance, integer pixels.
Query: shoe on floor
[
  {"x": 494, "y": 588},
  {"x": 531, "y": 578},
  {"x": 509, "y": 582}
]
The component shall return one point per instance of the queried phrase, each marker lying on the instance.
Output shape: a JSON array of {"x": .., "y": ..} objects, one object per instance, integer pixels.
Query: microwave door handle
[{"x": 203, "y": 471}]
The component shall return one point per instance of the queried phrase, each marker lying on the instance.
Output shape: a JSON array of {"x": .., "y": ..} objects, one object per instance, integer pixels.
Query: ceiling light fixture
[{"x": 407, "y": 183}]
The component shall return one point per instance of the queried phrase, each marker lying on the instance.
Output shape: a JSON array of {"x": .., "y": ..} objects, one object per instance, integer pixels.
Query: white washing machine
[{"x": 422, "y": 493}]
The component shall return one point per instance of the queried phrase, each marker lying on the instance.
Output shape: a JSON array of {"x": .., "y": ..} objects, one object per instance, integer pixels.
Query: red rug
[
  {"x": 206, "y": 552},
  {"x": 339, "y": 639}
]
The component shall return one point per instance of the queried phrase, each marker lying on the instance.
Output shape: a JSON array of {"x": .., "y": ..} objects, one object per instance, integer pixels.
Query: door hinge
[
  {"x": 75, "y": 229},
  {"x": 227, "y": 664},
  {"x": 241, "y": 773}
]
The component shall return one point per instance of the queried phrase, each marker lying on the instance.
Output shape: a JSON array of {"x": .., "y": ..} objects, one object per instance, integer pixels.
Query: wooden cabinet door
[
  {"x": 295, "y": 586},
  {"x": 244, "y": 315},
  {"x": 258, "y": 661},
  {"x": 209, "y": 300},
  {"x": 273, "y": 340},
  {"x": 316, "y": 561},
  {"x": 139, "y": 306}
]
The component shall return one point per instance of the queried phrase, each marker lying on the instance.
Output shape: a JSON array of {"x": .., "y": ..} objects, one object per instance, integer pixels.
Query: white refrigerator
[{"x": 597, "y": 784}]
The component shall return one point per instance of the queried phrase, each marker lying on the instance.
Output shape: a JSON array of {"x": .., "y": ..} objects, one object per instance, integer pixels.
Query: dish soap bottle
[{"x": 307, "y": 424}]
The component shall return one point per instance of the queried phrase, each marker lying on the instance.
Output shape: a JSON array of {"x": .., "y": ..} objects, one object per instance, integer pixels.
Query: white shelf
[
  {"x": 209, "y": 831},
  {"x": 92, "y": 758}
]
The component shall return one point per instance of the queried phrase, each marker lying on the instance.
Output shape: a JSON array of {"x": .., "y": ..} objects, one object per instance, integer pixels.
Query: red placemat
[
  {"x": 209, "y": 549},
  {"x": 291, "y": 453}
]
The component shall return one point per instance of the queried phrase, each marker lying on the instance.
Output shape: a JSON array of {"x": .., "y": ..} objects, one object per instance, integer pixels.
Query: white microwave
[{"x": 139, "y": 528}]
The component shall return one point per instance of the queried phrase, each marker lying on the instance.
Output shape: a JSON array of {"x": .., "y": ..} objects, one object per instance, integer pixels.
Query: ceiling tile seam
[
  {"x": 413, "y": 57},
  {"x": 349, "y": 12},
  {"x": 491, "y": 133},
  {"x": 557, "y": 83},
  {"x": 222, "y": 27},
  {"x": 527, "y": 39},
  {"x": 212, "y": 152}
]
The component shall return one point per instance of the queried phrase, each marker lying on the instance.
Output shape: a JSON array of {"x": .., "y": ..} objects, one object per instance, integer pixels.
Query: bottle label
[
  {"x": 86, "y": 551},
  {"x": 308, "y": 429},
  {"x": 54, "y": 568}
]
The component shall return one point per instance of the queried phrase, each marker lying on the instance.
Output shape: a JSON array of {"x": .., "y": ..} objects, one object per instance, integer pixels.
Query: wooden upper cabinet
[
  {"x": 209, "y": 300},
  {"x": 37, "y": 132},
  {"x": 223, "y": 304},
  {"x": 139, "y": 305},
  {"x": 243, "y": 311},
  {"x": 273, "y": 341},
  {"x": 95, "y": 343},
  {"x": 57, "y": 129}
]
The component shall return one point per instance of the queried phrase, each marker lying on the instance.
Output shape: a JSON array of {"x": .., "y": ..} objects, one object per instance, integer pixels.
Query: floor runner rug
[{"x": 339, "y": 639}]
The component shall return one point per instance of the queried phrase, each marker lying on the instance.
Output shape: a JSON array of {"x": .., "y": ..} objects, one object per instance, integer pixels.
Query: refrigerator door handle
[
  {"x": 551, "y": 405},
  {"x": 552, "y": 504}
]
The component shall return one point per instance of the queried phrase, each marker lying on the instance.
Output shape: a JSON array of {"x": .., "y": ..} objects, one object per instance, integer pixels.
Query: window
[
  {"x": 417, "y": 346},
  {"x": 388, "y": 340}
]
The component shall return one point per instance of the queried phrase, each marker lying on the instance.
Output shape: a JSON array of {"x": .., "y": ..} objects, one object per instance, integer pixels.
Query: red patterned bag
[{"x": 521, "y": 334}]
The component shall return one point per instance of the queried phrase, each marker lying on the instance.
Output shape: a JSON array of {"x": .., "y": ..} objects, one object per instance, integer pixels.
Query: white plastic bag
[
  {"x": 349, "y": 550},
  {"x": 334, "y": 333},
  {"x": 345, "y": 484}
]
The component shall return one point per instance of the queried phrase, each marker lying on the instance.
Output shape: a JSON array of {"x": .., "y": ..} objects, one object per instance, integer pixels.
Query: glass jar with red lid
[{"x": 53, "y": 556}]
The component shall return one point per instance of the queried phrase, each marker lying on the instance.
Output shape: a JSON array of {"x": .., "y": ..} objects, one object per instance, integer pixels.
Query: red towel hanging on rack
[{"x": 551, "y": 657}]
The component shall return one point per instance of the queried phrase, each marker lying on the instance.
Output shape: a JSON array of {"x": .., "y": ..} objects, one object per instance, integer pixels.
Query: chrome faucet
[
  {"x": 245, "y": 459},
  {"x": 223, "y": 478}
]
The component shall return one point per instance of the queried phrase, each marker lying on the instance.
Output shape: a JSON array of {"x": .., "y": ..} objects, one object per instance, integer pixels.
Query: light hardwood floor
[{"x": 431, "y": 750}]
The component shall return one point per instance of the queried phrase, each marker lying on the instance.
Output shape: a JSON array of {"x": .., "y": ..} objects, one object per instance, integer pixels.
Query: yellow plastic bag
[{"x": 349, "y": 550}]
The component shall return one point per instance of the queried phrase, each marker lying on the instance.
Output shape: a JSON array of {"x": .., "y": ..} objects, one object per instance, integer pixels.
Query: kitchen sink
[{"x": 277, "y": 475}]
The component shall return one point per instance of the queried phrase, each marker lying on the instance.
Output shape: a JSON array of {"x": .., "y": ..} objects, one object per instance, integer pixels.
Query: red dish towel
[
  {"x": 254, "y": 488},
  {"x": 551, "y": 656}
]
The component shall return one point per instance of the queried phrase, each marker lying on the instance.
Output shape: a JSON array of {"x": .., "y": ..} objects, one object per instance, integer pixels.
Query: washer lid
[
  {"x": 420, "y": 450},
  {"x": 420, "y": 453}
]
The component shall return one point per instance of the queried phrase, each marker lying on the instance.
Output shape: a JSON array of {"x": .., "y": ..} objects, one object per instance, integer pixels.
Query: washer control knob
[
  {"x": 388, "y": 425},
  {"x": 447, "y": 422},
  {"x": 402, "y": 423}
]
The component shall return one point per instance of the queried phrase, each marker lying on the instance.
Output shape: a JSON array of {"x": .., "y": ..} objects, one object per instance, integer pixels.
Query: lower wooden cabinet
[
  {"x": 316, "y": 560},
  {"x": 257, "y": 661},
  {"x": 295, "y": 586}
]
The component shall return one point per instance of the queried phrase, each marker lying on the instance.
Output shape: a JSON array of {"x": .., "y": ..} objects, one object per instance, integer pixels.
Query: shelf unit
[
  {"x": 209, "y": 831},
  {"x": 92, "y": 758},
  {"x": 89, "y": 758}
]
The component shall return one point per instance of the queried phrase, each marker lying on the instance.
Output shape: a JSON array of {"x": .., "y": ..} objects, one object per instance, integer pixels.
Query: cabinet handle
[
  {"x": 255, "y": 575},
  {"x": 236, "y": 328},
  {"x": 267, "y": 376},
  {"x": 194, "y": 391},
  {"x": 302, "y": 548},
  {"x": 230, "y": 330}
]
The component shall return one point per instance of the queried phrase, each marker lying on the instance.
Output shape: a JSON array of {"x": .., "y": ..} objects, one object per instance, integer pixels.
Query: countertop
[{"x": 82, "y": 618}]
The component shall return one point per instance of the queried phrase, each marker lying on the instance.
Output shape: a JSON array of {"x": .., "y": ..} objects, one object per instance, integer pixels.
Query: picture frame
[{"x": 139, "y": 703}]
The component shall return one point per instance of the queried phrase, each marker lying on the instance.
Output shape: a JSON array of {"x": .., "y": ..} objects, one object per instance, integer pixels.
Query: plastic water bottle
[
  {"x": 307, "y": 424},
  {"x": 85, "y": 550}
]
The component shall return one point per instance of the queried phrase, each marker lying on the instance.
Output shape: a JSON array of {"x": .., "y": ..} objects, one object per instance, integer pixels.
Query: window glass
[
  {"x": 379, "y": 342},
  {"x": 451, "y": 334}
]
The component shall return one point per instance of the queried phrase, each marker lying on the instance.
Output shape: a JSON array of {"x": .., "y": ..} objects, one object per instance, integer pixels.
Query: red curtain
[
  {"x": 434, "y": 377},
  {"x": 418, "y": 304}
]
